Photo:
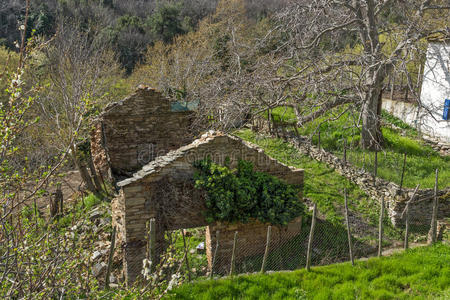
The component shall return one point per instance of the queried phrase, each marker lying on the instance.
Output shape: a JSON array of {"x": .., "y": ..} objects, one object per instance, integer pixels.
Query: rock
[
  {"x": 95, "y": 214},
  {"x": 112, "y": 278},
  {"x": 96, "y": 255},
  {"x": 98, "y": 268}
]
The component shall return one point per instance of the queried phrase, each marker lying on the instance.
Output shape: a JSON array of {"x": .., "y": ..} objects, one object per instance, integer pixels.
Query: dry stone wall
[
  {"x": 163, "y": 189},
  {"x": 395, "y": 199}
]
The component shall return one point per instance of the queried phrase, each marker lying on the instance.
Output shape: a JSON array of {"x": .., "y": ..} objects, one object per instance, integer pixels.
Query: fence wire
[{"x": 190, "y": 260}]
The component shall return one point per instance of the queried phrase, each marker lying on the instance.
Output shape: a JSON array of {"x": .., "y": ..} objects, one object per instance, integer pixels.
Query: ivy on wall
[{"x": 242, "y": 194}]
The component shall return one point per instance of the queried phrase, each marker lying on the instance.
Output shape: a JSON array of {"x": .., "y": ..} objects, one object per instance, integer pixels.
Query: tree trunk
[
  {"x": 95, "y": 177},
  {"x": 371, "y": 136},
  {"x": 84, "y": 173}
]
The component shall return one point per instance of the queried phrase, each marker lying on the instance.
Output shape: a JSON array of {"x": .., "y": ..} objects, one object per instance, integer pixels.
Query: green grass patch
[
  {"x": 399, "y": 138},
  {"x": 421, "y": 273}
]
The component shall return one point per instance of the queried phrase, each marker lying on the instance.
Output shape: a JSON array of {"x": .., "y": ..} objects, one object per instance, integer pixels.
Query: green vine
[{"x": 242, "y": 194}]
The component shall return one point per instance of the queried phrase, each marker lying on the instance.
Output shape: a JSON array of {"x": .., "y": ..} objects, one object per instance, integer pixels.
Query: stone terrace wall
[
  {"x": 132, "y": 132},
  {"x": 163, "y": 190},
  {"x": 421, "y": 207},
  {"x": 252, "y": 239}
]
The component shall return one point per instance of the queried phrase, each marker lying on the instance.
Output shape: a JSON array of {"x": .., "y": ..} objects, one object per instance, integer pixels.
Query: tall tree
[{"x": 383, "y": 34}]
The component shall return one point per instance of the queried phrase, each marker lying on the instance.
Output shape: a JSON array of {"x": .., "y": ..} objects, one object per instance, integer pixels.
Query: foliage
[
  {"x": 417, "y": 273},
  {"x": 166, "y": 21},
  {"x": 243, "y": 194}
]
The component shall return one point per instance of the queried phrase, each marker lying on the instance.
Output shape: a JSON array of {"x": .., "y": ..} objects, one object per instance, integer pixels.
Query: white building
[{"x": 429, "y": 117}]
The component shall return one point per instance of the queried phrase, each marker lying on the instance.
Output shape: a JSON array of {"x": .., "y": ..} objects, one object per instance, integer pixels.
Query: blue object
[
  {"x": 179, "y": 106},
  {"x": 446, "y": 109}
]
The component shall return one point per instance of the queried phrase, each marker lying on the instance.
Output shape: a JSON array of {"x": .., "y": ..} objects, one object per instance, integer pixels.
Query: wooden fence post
[
  {"x": 266, "y": 252},
  {"x": 434, "y": 214},
  {"x": 406, "y": 244},
  {"x": 186, "y": 253},
  {"x": 349, "y": 235},
  {"x": 311, "y": 235},
  {"x": 406, "y": 210},
  {"x": 215, "y": 254},
  {"x": 111, "y": 256},
  {"x": 151, "y": 243},
  {"x": 233, "y": 254},
  {"x": 403, "y": 172},
  {"x": 380, "y": 229}
]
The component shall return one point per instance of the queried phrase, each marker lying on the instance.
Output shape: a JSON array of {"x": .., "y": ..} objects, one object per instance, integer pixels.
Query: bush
[{"x": 243, "y": 194}]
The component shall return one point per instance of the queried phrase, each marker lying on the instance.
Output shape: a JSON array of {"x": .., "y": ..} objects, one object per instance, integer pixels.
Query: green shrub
[
  {"x": 243, "y": 194},
  {"x": 90, "y": 200}
]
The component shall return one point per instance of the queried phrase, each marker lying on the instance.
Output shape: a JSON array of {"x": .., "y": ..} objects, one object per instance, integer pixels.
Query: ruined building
[{"x": 145, "y": 145}]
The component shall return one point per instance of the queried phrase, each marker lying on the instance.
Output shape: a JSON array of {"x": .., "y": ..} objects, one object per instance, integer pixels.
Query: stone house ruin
[{"x": 162, "y": 188}]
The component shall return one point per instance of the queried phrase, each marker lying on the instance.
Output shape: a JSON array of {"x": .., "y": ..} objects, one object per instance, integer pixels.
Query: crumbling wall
[
  {"x": 395, "y": 199},
  {"x": 163, "y": 190},
  {"x": 132, "y": 132}
]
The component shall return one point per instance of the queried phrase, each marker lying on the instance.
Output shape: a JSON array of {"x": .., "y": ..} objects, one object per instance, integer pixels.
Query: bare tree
[
  {"x": 80, "y": 69},
  {"x": 343, "y": 51}
]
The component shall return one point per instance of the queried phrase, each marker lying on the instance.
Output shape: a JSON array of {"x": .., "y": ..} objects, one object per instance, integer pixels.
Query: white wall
[{"x": 435, "y": 89}]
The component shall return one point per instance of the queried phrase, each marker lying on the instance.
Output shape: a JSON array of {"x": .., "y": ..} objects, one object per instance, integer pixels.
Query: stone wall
[
  {"x": 251, "y": 241},
  {"x": 132, "y": 132},
  {"x": 163, "y": 190},
  {"x": 395, "y": 199}
]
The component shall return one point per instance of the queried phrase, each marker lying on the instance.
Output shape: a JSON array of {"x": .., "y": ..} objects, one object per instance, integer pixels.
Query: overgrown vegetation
[
  {"x": 244, "y": 194},
  {"x": 417, "y": 273},
  {"x": 53, "y": 257}
]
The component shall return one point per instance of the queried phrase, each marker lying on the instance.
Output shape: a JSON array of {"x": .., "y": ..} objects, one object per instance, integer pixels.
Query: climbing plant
[{"x": 242, "y": 194}]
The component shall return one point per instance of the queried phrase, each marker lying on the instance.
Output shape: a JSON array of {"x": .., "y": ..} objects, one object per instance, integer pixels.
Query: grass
[
  {"x": 421, "y": 273},
  {"x": 197, "y": 262},
  {"x": 399, "y": 138}
]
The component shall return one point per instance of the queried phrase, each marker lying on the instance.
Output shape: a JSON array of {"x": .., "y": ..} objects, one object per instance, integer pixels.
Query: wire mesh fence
[{"x": 203, "y": 253}]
